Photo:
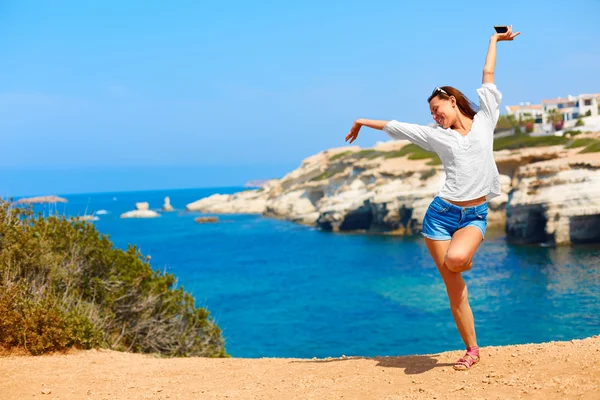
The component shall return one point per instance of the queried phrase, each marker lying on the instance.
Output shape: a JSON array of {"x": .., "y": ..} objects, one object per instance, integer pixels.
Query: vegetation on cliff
[
  {"x": 412, "y": 151},
  {"x": 523, "y": 141}
]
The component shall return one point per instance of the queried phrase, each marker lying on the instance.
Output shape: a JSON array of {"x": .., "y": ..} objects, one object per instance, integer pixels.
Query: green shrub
[
  {"x": 40, "y": 325},
  {"x": 325, "y": 175},
  {"x": 428, "y": 174},
  {"x": 62, "y": 285},
  {"x": 422, "y": 155},
  {"x": 413, "y": 152},
  {"x": 580, "y": 143},
  {"x": 340, "y": 155},
  {"x": 393, "y": 154},
  {"x": 369, "y": 154},
  {"x": 435, "y": 161},
  {"x": 408, "y": 149},
  {"x": 579, "y": 122},
  {"x": 328, "y": 173},
  {"x": 506, "y": 122},
  {"x": 519, "y": 142},
  {"x": 592, "y": 148}
]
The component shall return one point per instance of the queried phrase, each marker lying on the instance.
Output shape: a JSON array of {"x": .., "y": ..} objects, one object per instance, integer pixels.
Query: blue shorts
[{"x": 442, "y": 219}]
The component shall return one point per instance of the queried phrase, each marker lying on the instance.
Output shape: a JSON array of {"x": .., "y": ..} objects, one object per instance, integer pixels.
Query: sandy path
[{"x": 557, "y": 370}]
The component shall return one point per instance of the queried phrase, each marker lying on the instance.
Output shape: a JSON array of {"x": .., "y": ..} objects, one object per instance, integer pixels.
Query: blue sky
[{"x": 114, "y": 95}]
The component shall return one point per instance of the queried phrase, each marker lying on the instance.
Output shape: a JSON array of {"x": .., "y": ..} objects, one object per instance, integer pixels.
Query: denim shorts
[{"x": 442, "y": 219}]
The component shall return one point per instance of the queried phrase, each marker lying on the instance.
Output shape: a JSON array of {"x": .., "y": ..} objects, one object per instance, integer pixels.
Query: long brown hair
[{"x": 466, "y": 106}]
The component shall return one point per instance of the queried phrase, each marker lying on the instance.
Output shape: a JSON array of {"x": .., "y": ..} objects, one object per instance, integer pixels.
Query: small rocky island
[
  {"x": 167, "y": 207},
  {"x": 141, "y": 211},
  {"x": 41, "y": 200}
]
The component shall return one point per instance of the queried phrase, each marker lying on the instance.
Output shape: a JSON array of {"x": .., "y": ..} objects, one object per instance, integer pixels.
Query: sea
[{"x": 279, "y": 289}]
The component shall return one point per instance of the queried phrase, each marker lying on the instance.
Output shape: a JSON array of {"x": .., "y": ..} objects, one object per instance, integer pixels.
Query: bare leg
[
  {"x": 456, "y": 289},
  {"x": 463, "y": 246}
]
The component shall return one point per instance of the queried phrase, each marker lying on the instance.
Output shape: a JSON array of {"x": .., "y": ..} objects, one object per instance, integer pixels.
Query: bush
[
  {"x": 328, "y": 173},
  {"x": 579, "y": 122},
  {"x": 62, "y": 285},
  {"x": 506, "y": 122},
  {"x": 529, "y": 127},
  {"x": 413, "y": 152},
  {"x": 421, "y": 155},
  {"x": 428, "y": 174},
  {"x": 519, "y": 142},
  {"x": 592, "y": 148},
  {"x": 340, "y": 155},
  {"x": 404, "y": 151},
  {"x": 39, "y": 326},
  {"x": 369, "y": 154},
  {"x": 580, "y": 143},
  {"x": 435, "y": 161}
]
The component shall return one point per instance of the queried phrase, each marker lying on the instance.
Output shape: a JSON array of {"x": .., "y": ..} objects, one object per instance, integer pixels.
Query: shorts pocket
[
  {"x": 482, "y": 215},
  {"x": 439, "y": 208}
]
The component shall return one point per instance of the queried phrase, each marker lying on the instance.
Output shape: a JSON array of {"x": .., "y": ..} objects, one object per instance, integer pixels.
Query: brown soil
[{"x": 557, "y": 370}]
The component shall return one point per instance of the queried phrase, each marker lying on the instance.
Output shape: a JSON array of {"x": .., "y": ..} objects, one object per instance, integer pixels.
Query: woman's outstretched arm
[
  {"x": 416, "y": 134},
  {"x": 490, "y": 60},
  {"x": 371, "y": 123}
]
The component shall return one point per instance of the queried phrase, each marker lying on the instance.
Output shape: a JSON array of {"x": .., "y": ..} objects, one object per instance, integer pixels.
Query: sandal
[{"x": 470, "y": 358}]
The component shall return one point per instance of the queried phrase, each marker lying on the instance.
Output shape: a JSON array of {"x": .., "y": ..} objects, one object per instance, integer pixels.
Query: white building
[
  {"x": 526, "y": 111},
  {"x": 570, "y": 107}
]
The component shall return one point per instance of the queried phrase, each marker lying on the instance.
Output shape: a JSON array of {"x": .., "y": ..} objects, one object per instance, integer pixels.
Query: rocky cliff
[
  {"x": 550, "y": 194},
  {"x": 556, "y": 201}
]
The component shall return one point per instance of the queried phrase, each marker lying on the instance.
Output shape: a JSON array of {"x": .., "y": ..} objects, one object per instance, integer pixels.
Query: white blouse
[{"x": 471, "y": 171}]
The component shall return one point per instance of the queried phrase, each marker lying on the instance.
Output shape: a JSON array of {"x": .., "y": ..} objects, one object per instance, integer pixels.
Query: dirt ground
[{"x": 557, "y": 370}]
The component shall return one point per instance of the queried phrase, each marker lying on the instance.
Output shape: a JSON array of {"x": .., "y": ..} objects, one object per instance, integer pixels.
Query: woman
[{"x": 455, "y": 222}]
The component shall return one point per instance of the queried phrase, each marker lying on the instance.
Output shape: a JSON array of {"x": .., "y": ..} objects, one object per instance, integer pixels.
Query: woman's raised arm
[{"x": 490, "y": 60}]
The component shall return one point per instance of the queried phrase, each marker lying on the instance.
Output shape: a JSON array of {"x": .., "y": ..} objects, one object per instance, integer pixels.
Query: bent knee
[{"x": 455, "y": 261}]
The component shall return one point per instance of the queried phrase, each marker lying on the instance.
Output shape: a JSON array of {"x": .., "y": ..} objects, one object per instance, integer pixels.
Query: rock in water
[
  {"x": 140, "y": 214},
  {"x": 142, "y": 206},
  {"x": 88, "y": 218},
  {"x": 141, "y": 211},
  {"x": 167, "y": 207},
  {"x": 41, "y": 200},
  {"x": 206, "y": 220}
]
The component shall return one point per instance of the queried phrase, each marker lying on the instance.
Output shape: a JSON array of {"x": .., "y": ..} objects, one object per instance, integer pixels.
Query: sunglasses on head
[{"x": 436, "y": 91}]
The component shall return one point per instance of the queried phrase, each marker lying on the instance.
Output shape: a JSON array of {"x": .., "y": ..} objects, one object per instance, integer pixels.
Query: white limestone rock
[
  {"x": 167, "y": 207},
  {"x": 142, "y": 206},
  {"x": 140, "y": 214}
]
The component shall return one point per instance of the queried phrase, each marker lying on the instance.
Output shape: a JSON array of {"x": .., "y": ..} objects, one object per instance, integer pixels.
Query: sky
[{"x": 136, "y": 95}]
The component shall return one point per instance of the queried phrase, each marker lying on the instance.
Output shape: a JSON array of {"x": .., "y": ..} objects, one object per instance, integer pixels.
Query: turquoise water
[{"x": 278, "y": 289}]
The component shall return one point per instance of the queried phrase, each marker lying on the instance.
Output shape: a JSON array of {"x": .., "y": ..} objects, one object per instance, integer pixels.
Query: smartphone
[{"x": 501, "y": 29}]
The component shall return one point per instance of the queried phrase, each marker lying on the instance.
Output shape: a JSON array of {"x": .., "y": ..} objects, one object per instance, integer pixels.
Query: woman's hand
[
  {"x": 509, "y": 35},
  {"x": 353, "y": 132}
]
